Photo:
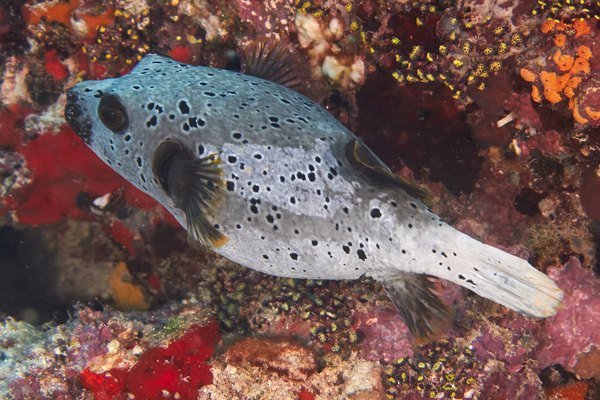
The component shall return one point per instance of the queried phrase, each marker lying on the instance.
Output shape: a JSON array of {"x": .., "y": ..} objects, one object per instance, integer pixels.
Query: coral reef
[{"x": 493, "y": 107}]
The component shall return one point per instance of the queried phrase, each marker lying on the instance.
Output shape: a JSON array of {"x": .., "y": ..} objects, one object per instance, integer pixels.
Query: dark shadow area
[{"x": 27, "y": 277}]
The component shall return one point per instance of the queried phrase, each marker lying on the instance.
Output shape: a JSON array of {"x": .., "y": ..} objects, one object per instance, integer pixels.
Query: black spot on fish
[
  {"x": 237, "y": 135},
  {"x": 151, "y": 122},
  {"x": 346, "y": 249},
  {"x": 314, "y": 242},
  {"x": 183, "y": 107},
  {"x": 375, "y": 213},
  {"x": 294, "y": 256},
  {"x": 361, "y": 254},
  {"x": 230, "y": 186}
]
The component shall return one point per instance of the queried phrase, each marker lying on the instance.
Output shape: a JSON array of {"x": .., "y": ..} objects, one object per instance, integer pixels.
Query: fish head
[{"x": 125, "y": 120}]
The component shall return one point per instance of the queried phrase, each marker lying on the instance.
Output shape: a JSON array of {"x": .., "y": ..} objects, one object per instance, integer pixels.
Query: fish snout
[{"x": 75, "y": 117}]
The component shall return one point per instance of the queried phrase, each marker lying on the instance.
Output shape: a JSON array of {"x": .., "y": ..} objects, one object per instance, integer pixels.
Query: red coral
[
  {"x": 62, "y": 166},
  {"x": 181, "y": 54},
  {"x": 123, "y": 235},
  {"x": 173, "y": 372},
  {"x": 54, "y": 67},
  {"x": 306, "y": 395}
]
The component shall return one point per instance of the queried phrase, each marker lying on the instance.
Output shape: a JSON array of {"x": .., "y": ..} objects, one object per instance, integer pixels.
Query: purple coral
[{"x": 574, "y": 329}]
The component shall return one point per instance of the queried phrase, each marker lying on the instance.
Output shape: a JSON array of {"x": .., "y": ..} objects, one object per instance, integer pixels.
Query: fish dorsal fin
[
  {"x": 425, "y": 314},
  {"x": 195, "y": 185},
  {"x": 371, "y": 167},
  {"x": 275, "y": 62}
]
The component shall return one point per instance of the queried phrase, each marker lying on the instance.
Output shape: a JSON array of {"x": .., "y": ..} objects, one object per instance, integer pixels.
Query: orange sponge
[
  {"x": 584, "y": 52},
  {"x": 535, "y": 94},
  {"x": 560, "y": 40},
  {"x": 564, "y": 62},
  {"x": 581, "y": 27},
  {"x": 548, "y": 25},
  {"x": 527, "y": 75},
  {"x": 578, "y": 116},
  {"x": 595, "y": 115},
  {"x": 580, "y": 64}
]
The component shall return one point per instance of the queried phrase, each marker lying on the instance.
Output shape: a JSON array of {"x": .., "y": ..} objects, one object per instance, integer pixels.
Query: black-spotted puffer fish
[{"x": 269, "y": 179}]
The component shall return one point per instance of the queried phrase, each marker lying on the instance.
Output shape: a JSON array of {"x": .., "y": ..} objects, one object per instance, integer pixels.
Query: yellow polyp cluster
[
  {"x": 416, "y": 52},
  {"x": 516, "y": 39},
  {"x": 502, "y": 48},
  {"x": 479, "y": 69},
  {"x": 467, "y": 48},
  {"x": 495, "y": 66}
]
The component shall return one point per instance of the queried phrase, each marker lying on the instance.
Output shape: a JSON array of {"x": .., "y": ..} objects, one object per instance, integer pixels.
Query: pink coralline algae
[{"x": 574, "y": 330}]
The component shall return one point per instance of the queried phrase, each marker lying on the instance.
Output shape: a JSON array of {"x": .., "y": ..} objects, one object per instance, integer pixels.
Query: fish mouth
[{"x": 76, "y": 118}]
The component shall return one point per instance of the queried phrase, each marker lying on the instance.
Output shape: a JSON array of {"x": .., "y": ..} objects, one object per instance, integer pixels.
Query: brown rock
[
  {"x": 363, "y": 382},
  {"x": 588, "y": 364},
  {"x": 283, "y": 355}
]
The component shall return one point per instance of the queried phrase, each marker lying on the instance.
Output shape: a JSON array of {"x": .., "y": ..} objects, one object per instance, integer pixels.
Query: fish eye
[{"x": 112, "y": 113}]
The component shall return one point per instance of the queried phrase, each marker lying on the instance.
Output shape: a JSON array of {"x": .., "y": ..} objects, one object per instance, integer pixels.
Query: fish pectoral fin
[
  {"x": 203, "y": 194},
  {"x": 365, "y": 162},
  {"x": 425, "y": 314},
  {"x": 195, "y": 185}
]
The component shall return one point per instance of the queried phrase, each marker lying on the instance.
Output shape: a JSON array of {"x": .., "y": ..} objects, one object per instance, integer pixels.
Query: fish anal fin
[
  {"x": 425, "y": 314},
  {"x": 195, "y": 185},
  {"x": 365, "y": 162}
]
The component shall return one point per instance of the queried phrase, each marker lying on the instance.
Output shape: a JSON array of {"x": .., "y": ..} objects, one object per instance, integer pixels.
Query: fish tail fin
[
  {"x": 503, "y": 278},
  {"x": 425, "y": 314}
]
